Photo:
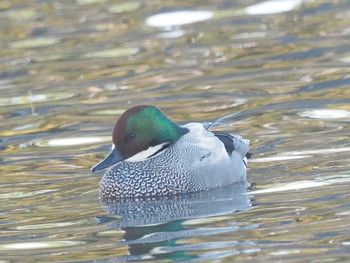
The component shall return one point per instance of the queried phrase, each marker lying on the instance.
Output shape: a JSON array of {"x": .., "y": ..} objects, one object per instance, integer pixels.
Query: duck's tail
[
  {"x": 234, "y": 143},
  {"x": 241, "y": 146}
]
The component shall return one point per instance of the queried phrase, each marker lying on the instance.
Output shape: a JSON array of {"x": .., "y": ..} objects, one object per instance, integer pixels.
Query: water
[{"x": 68, "y": 70}]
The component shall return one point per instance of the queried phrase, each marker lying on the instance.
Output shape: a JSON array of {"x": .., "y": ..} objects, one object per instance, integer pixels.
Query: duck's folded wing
[{"x": 234, "y": 143}]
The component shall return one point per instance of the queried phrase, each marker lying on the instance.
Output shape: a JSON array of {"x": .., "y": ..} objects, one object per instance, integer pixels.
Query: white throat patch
[{"x": 141, "y": 156}]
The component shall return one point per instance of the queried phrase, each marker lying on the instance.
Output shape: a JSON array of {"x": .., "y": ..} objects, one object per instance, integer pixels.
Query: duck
[{"x": 153, "y": 156}]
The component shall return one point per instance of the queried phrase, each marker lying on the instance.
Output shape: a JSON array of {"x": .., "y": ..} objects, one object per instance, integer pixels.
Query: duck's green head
[{"x": 140, "y": 132}]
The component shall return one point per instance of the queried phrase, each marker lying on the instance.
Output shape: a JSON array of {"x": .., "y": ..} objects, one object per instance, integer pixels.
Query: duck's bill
[{"x": 112, "y": 158}]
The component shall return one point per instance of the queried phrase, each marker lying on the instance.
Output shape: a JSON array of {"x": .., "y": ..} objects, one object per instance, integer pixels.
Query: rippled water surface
[{"x": 68, "y": 69}]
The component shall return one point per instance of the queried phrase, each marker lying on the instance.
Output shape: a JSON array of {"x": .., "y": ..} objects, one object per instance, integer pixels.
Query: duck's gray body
[{"x": 198, "y": 161}]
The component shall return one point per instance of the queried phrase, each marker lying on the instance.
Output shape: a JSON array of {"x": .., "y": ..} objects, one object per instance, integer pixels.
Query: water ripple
[{"x": 47, "y": 97}]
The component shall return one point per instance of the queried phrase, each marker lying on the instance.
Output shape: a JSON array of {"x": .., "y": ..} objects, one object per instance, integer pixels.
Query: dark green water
[{"x": 68, "y": 69}]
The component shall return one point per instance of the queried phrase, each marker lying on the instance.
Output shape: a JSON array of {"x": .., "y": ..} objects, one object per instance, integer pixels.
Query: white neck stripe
[{"x": 141, "y": 156}]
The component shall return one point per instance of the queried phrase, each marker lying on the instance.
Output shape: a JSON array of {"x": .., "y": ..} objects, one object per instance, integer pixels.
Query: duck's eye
[{"x": 130, "y": 136}]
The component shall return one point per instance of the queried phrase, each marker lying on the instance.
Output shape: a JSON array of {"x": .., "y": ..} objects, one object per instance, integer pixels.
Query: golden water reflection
[{"x": 70, "y": 68}]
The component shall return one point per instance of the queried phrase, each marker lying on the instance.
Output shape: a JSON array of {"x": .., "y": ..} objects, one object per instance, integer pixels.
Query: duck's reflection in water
[{"x": 154, "y": 225}]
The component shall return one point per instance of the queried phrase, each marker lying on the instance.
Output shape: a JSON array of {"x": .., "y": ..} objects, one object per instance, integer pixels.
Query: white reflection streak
[
  {"x": 27, "y": 245},
  {"x": 298, "y": 155},
  {"x": 273, "y": 7},
  {"x": 321, "y": 151},
  {"x": 74, "y": 141},
  {"x": 38, "y": 245},
  {"x": 344, "y": 178},
  {"x": 291, "y": 186},
  {"x": 277, "y": 158},
  {"x": 325, "y": 114},
  {"x": 179, "y": 18}
]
